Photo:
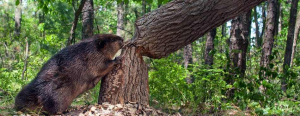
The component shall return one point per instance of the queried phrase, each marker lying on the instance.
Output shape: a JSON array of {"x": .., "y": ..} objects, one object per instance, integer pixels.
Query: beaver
[{"x": 72, "y": 71}]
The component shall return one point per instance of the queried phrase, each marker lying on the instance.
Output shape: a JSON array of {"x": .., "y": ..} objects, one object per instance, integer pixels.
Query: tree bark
[
  {"x": 71, "y": 39},
  {"x": 224, "y": 29},
  {"x": 188, "y": 59},
  {"x": 269, "y": 34},
  {"x": 18, "y": 19},
  {"x": 209, "y": 58},
  {"x": 257, "y": 43},
  {"x": 25, "y": 60},
  {"x": 296, "y": 35},
  {"x": 289, "y": 41},
  {"x": 161, "y": 32},
  {"x": 263, "y": 27},
  {"x": 87, "y": 19},
  {"x": 120, "y": 24},
  {"x": 239, "y": 42}
]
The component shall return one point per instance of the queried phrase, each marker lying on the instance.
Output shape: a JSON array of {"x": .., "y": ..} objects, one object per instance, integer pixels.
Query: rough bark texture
[
  {"x": 120, "y": 24},
  {"x": 208, "y": 57},
  {"x": 71, "y": 39},
  {"x": 239, "y": 41},
  {"x": 164, "y": 31},
  {"x": 269, "y": 34},
  {"x": 289, "y": 41},
  {"x": 128, "y": 82},
  {"x": 18, "y": 19},
  {"x": 188, "y": 59},
  {"x": 296, "y": 35},
  {"x": 87, "y": 19}
]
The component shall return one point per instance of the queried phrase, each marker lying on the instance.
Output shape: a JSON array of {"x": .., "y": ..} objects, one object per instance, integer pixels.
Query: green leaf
[{"x": 17, "y": 2}]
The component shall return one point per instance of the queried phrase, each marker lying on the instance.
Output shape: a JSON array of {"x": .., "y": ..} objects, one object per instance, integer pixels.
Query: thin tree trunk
[
  {"x": 18, "y": 19},
  {"x": 188, "y": 59},
  {"x": 264, "y": 25},
  {"x": 269, "y": 35},
  {"x": 144, "y": 7},
  {"x": 289, "y": 41},
  {"x": 120, "y": 24},
  {"x": 25, "y": 61},
  {"x": 87, "y": 19},
  {"x": 74, "y": 25},
  {"x": 160, "y": 33},
  {"x": 280, "y": 18},
  {"x": 224, "y": 29},
  {"x": 257, "y": 43},
  {"x": 209, "y": 58},
  {"x": 296, "y": 35},
  {"x": 277, "y": 15}
]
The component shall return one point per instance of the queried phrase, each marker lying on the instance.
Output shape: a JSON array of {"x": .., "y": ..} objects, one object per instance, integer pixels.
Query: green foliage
[{"x": 46, "y": 25}]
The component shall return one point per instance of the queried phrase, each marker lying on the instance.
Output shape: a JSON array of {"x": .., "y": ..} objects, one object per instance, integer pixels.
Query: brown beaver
[{"x": 69, "y": 73}]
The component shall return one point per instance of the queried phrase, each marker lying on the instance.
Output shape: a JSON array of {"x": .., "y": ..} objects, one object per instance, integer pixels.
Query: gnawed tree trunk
[
  {"x": 239, "y": 40},
  {"x": 160, "y": 33},
  {"x": 296, "y": 35},
  {"x": 208, "y": 56},
  {"x": 289, "y": 41},
  {"x": 188, "y": 59},
  {"x": 71, "y": 39},
  {"x": 269, "y": 34},
  {"x": 87, "y": 19},
  {"x": 18, "y": 19},
  {"x": 120, "y": 24},
  {"x": 128, "y": 82}
]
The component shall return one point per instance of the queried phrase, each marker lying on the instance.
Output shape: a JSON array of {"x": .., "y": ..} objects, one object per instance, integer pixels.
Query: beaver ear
[{"x": 101, "y": 44}]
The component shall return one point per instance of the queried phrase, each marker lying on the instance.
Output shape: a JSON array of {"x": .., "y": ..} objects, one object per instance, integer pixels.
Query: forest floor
[{"x": 132, "y": 109}]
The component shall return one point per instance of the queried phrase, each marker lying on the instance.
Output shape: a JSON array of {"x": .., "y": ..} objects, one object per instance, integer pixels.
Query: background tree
[
  {"x": 87, "y": 19},
  {"x": 18, "y": 18},
  {"x": 269, "y": 34},
  {"x": 161, "y": 79},
  {"x": 290, "y": 40}
]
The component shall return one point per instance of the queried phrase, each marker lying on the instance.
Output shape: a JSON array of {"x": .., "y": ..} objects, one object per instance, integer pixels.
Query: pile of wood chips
[{"x": 106, "y": 109}]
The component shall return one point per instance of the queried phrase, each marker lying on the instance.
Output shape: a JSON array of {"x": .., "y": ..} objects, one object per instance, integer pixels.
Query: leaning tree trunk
[
  {"x": 71, "y": 39},
  {"x": 289, "y": 41},
  {"x": 18, "y": 19},
  {"x": 87, "y": 19},
  {"x": 269, "y": 34},
  {"x": 160, "y": 33},
  {"x": 208, "y": 56}
]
